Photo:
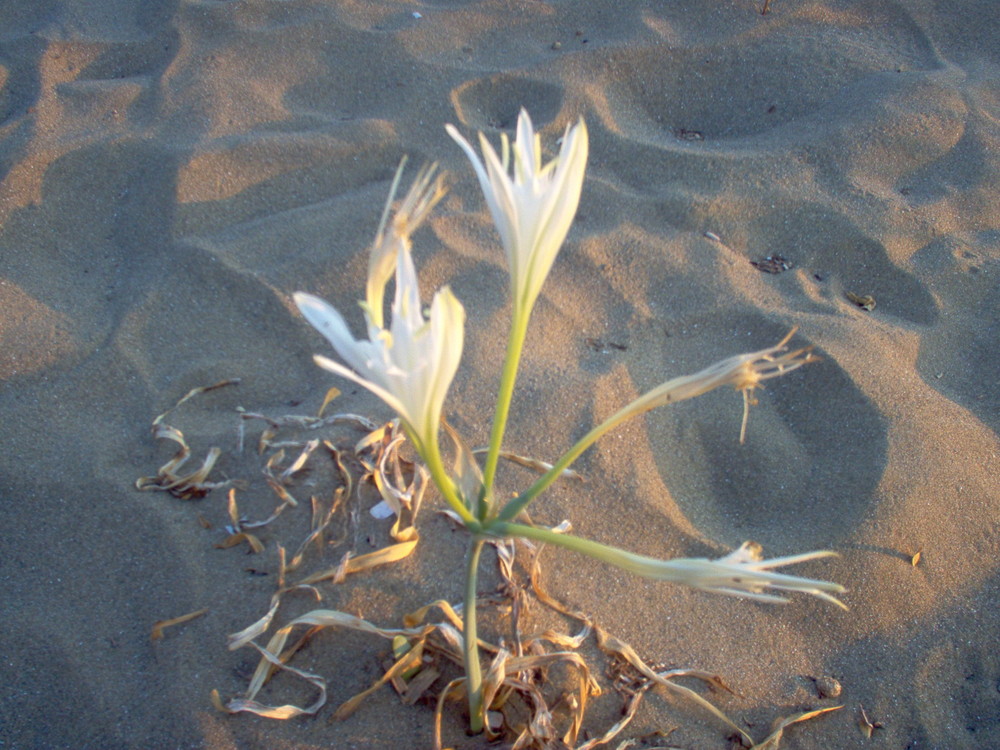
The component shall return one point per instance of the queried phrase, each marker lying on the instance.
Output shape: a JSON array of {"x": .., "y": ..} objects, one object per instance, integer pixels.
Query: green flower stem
[
  {"x": 431, "y": 454},
  {"x": 638, "y": 564},
  {"x": 744, "y": 372},
  {"x": 740, "y": 573},
  {"x": 473, "y": 670},
  {"x": 515, "y": 343},
  {"x": 519, "y": 503}
]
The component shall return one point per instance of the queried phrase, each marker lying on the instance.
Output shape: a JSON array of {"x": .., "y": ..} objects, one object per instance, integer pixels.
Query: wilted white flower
[
  {"x": 391, "y": 236},
  {"x": 532, "y": 209},
  {"x": 410, "y": 364},
  {"x": 742, "y": 572},
  {"x": 744, "y": 372},
  {"x": 745, "y": 573}
]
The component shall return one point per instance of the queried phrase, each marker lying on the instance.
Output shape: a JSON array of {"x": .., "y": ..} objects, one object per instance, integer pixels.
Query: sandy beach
[{"x": 171, "y": 171}]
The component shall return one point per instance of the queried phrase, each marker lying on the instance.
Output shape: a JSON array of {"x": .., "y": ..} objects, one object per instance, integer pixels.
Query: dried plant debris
[
  {"x": 350, "y": 564},
  {"x": 321, "y": 520},
  {"x": 400, "y": 482},
  {"x": 771, "y": 264},
  {"x": 297, "y": 421},
  {"x": 599, "y": 345},
  {"x": 525, "y": 706},
  {"x": 238, "y": 525},
  {"x": 331, "y": 394},
  {"x": 275, "y": 657},
  {"x": 521, "y": 708},
  {"x": 237, "y": 640},
  {"x": 772, "y": 740},
  {"x": 185, "y": 486},
  {"x": 866, "y": 302},
  {"x": 867, "y": 726},
  {"x": 532, "y": 463},
  {"x": 515, "y": 684},
  {"x": 160, "y": 625},
  {"x": 626, "y": 655}
]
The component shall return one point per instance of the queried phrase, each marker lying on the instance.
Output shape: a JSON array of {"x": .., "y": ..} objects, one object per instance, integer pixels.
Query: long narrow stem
[
  {"x": 473, "y": 671},
  {"x": 515, "y": 506},
  {"x": 744, "y": 372},
  {"x": 515, "y": 343},
  {"x": 740, "y": 573},
  {"x": 431, "y": 455},
  {"x": 612, "y": 555}
]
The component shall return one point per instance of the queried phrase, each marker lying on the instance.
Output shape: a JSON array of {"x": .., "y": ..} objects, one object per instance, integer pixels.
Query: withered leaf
[{"x": 160, "y": 625}]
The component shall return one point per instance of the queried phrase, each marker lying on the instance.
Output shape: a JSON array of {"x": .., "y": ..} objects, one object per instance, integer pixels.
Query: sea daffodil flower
[
  {"x": 534, "y": 207},
  {"x": 411, "y": 363},
  {"x": 744, "y": 372},
  {"x": 424, "y": 194},
  {"x": 743, "y": 572}
]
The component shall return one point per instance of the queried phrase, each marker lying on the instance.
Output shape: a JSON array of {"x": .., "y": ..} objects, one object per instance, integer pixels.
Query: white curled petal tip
[
  {"x": 469, "y": 152},
  {"x": 322, "y": 316},
  {"x": 744, "y": 573},
  {"x": 345, "y": 372},
  {"x": 527, "y": 146}
]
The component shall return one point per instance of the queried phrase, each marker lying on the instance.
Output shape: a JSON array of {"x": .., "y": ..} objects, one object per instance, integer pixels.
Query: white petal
[
  {"x": 447, "y": 331},
  {"x": 558, "y": 207},
  {"x": 390, "y": 399},
  {"x": 325, "y": 319},
  {"x": 529, "y": 159},
  {"x": 484, "y": 180},
  {"x": 501, "y": 197},
  {"x": 494, "y": 184},
  {"x": 382, "y": 258},
  {"x": 534, "y": 210},
  {"x": 406, "y": 306}
]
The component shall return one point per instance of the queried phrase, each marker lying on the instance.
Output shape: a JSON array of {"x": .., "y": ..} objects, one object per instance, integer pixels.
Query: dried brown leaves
[
  {"x": 185, "y": 486},
  {"x": 632, "y": 677},
  {"x": 161, "y": 625},
  {"x": 524, "y": 705},
  {"x": 401, "y": 483},
  {"x": 772, "y": 740},
  {"x": 533, "y": 463}
]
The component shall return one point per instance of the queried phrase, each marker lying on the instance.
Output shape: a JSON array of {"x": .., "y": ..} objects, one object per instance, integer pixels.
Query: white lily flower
[
  {"x": 423, "y": 196},
  {"x": 744, "y": 372},
  {"x": 745, "y": 573},
  {"x": 410, "y": 364},
  {"x": 533, "y": 209},
  {"x": 742, "y": 572}
]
